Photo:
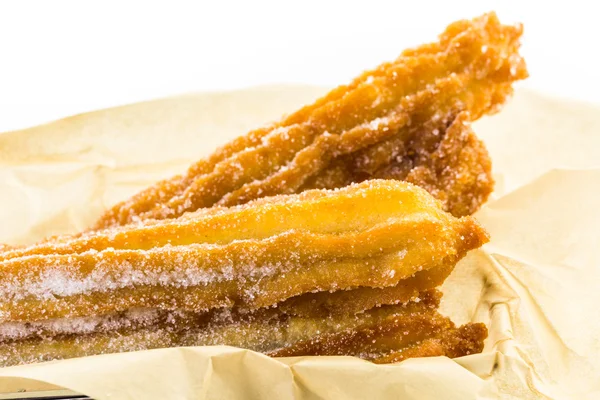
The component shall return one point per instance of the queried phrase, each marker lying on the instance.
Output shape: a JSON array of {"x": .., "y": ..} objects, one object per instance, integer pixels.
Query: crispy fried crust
[
  {"x": 470, "y": 69},
  {"x": 455, "y": 342},
  {"x": 448, "y": 160}
]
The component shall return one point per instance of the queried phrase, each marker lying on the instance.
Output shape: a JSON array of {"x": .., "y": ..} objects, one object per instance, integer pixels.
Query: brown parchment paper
[{"x": 535, "y": 285}]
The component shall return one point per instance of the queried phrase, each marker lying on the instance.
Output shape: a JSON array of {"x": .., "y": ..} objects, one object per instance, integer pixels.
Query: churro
[
  {"x": 390, "y": 329},
  {"x": 470, "y": 70},
  {"x": 372, "y": 234}
]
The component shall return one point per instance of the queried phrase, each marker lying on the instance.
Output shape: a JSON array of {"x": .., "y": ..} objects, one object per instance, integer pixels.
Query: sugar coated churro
[
  {"x": 385, "y": 112},
  {"x": 372, "y": 234},
  {"x": 377, "y": 334}
]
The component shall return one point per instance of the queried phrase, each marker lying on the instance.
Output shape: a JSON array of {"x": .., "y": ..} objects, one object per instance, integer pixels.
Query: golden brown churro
[
  {"x": 468, "y": 72},
  {"x": 372, "y": 234},
  {"x": 364, "y": 298},
  {"x": 393, "y": 327}
]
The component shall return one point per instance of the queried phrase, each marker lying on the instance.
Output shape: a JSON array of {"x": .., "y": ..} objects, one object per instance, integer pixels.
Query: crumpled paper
[{"x": 534, "y": 285}]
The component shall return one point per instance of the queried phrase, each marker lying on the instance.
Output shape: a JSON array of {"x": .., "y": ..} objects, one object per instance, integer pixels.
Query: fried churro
[
  {"x": 372, "y": 234},
  {"x": 390, "y": 329},
  {"x": 470, "y": 70}
]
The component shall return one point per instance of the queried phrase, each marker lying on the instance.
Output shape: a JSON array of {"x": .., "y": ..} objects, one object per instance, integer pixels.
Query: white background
[{"x": 58, "y": 58}]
